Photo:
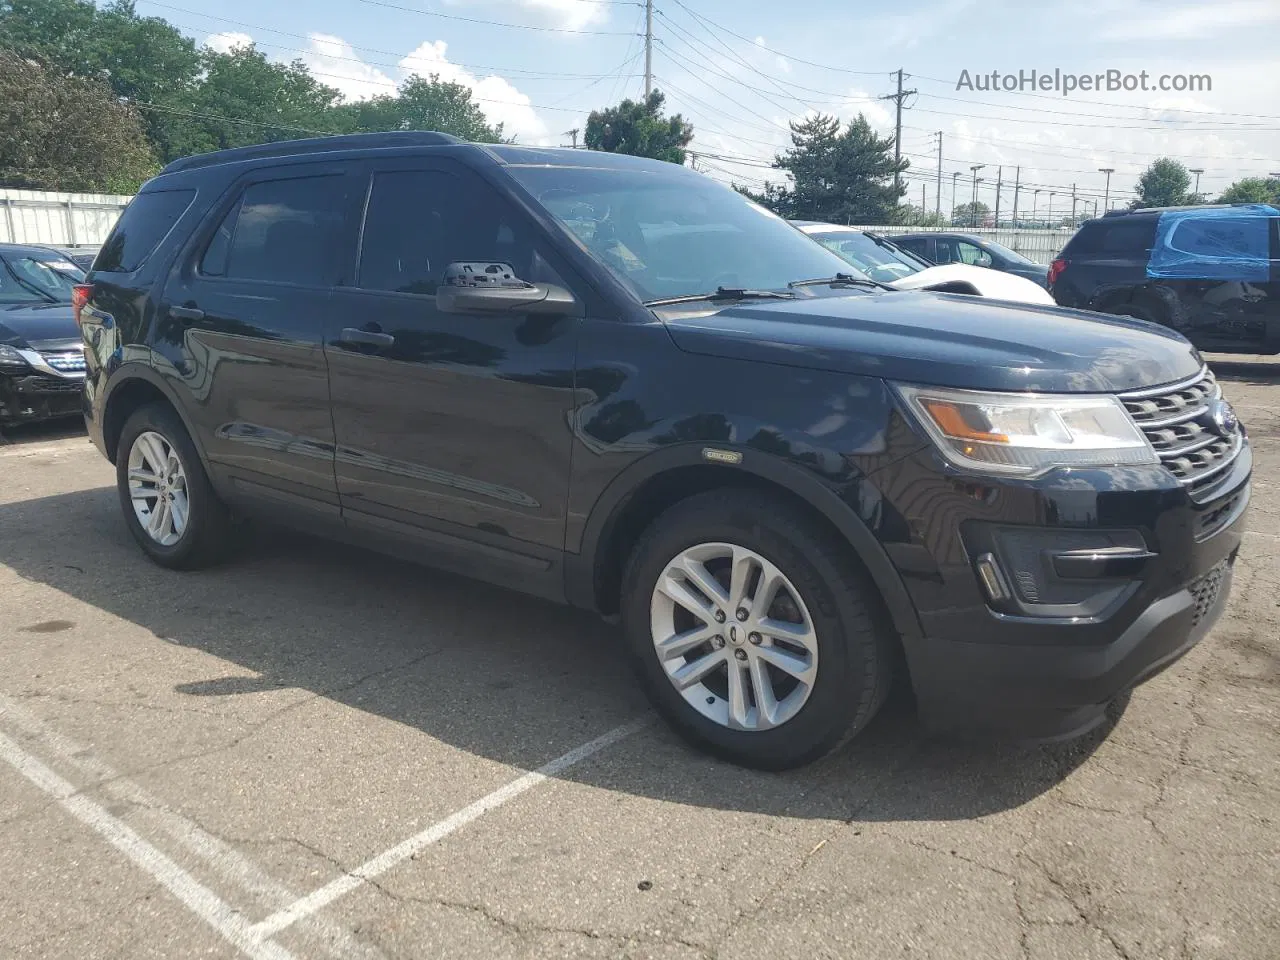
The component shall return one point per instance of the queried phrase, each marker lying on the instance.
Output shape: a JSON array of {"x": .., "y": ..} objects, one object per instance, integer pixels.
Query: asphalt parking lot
[{"x": 316, "y": 752}]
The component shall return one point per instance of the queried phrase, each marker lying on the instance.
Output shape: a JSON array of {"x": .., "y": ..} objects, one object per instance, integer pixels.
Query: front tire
[
  {"x": 168, "y": 503},
  {"x": 754, "y": 631}
]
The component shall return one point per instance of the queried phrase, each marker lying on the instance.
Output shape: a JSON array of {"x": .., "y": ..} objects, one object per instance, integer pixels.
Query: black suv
[
  {"x": 1210, "y": 272},
  {"x": 615, "y": 383}
]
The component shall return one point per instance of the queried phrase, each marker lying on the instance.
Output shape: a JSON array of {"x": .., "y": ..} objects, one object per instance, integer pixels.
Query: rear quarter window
[{"x": 145, "y": 222}]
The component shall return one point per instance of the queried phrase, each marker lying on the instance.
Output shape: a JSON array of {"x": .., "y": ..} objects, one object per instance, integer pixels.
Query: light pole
[
  {"x": 954, "y": 177},
  {"x": 1049, "y": 215},
  {"x": 1106, "y": 200},
  {"x": 1195, "y": 197},
  {"x": 1035, "y": 198},
  {"x": 973, "y": 207}
]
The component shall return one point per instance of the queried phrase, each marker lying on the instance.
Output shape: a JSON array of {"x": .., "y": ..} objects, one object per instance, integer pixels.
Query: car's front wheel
[
  {"x": 754, "y": 630},
  {"x": 168, "y": 503}
]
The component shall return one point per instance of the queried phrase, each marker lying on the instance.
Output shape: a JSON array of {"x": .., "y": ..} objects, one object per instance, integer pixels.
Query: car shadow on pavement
[
  {"x": 42, "y": 431},
  {"x": 484, "y": 670}
]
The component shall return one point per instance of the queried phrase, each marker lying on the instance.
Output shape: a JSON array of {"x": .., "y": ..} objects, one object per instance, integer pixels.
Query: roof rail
[{"x": 287, "y": 148}]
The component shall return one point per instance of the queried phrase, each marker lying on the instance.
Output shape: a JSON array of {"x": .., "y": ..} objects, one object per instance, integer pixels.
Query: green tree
[
  {"x": 909, "y": 215},
  {"x": 1166, "y": 183},
  {"x": 1253, "y": 190},
  {"x": 639, "y": 128},
  {"x": 421, "y": 104},
  {"x": 243, "y": 98},
  {"x": 840, "y": 176},
  {"x": 59, "y": 132},
  {"x": 143, "y": 59},
  {"x": 969, "y": 214}
]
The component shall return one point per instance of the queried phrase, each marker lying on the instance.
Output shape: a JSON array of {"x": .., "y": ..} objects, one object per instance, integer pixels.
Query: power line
[{"x": 493, "y": 23}]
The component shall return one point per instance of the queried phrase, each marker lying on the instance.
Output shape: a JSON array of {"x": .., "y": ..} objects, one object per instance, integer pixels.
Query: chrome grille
[{"x": 1178, "y": 421}]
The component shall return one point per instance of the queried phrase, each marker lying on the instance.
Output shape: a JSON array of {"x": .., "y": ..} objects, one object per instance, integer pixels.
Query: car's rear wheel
[
  {"x": 754, "y": 631},
  {"x": 168, "y": 503}
]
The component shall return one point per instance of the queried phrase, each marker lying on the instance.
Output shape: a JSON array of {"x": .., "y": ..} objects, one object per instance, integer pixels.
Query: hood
[
  {"x": 38, "y": 325},
  {"x": 988, "y": 283},
  {"x": 944, "y": 340}
]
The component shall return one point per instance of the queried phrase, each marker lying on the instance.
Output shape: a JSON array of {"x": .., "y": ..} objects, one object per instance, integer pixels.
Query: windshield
[
  {"x": 36, "y": 277},
  {"x": 1009, "y": 254},
  {"x": 879, "y": 263},
  {"x": 676, "y": 234}
]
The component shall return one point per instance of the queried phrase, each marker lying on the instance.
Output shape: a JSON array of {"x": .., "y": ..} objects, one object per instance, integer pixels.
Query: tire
[
  {"x": 853, "y": 648},
  {"x": 208, "y": 531}
]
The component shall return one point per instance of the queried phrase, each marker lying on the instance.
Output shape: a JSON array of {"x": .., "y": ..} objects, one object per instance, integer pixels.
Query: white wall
[{"x": 58, "y": 219}]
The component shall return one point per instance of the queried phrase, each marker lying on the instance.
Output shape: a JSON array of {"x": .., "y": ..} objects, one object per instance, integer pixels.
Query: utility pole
[
  {"x": 999, "y": 184},
  {"x": 1073, "y": 206},
  {"x": 1049, "y": 216},
  {"x": 897, "y": 98},
  {"x": 954, "y": 178},
  {"x": 937, "y": 210},
  {"x": 923, "y": 199},
  {"x": 1035, "y": 200},
  {"x": 1197, "y": 172},
  {"x": 648, "y": 48},
  {"x": 1017, "y": 185},
  {"x": 973, "y": 206},
  {"x": 1106, "y": 197},
  {"x": 1095, "y": 207}
]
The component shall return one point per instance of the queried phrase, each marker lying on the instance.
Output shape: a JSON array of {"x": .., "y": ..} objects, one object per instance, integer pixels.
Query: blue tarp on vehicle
[{"x": 1226, "y": 243}]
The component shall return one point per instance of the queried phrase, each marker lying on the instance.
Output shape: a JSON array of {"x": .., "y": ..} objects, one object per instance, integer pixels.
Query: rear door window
[
  {"x": 145, "y": 222},
  {"x": 281, "y": 231},
  {"x": 1222, "y": 237}
]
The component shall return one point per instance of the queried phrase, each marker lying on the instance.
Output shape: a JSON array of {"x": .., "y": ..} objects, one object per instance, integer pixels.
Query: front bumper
[
  {"x": 27, "y": 397},
  {"x": 980, "y": 669}
]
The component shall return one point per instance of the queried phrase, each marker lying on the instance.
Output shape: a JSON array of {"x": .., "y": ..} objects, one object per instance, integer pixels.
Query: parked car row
[{"x": 615, "y": 383}]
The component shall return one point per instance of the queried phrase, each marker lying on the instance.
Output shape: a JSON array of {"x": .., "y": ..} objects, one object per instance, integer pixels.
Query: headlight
[
  {"x": 10, "y": 358},
  {"x": 1027, "y": 434}
]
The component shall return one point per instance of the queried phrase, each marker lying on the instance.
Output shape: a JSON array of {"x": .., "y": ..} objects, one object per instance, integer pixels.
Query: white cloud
[
  {"x": 336, "y": 64},
  {"x": 565, "y": 14},
  {"x": 496, "y": 96},
  {"x": 227, "y": 41}
]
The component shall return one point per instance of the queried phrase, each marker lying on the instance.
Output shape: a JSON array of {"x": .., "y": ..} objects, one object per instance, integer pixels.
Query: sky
[{"x": 741, "y": 70}]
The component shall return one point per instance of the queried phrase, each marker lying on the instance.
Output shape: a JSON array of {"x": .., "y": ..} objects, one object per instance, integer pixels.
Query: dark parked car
[
  {"x": 1210, "y": 272},
  {"x": 612, "y": 382},
  {"x": 977, "y": 251},
  {"x": 41, "y": 358}
]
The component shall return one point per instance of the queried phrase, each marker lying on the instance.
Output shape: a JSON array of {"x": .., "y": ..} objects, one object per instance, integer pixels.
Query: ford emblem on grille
[{"x": 1222, "y": 418}]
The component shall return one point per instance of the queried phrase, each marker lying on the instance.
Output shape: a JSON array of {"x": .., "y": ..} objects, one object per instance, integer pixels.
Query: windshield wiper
[
  {"x": 45, "y": 295},
  {"x": 841, "y": 279},
  {"x": 724, "y": 293}
]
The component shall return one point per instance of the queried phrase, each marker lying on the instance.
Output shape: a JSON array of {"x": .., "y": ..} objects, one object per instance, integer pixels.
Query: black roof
[{"x": 289, "y": 148}]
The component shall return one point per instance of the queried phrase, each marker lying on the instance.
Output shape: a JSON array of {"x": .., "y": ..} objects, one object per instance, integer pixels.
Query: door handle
[
  {"x": 186, "y": 313},
  {"x": 367, "y": 337}
]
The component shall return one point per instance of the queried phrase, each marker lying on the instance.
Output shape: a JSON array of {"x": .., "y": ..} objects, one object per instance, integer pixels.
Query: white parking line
[
  {"x": 232, "y": 925},
  {"x": 435, "y": 833},
  {"x": 229, "y": 863}
]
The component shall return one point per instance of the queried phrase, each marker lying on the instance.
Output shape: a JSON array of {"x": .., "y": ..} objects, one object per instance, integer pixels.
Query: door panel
[
  {"x": 242, "y": 326},
  {"x": 460, "y": 423}
]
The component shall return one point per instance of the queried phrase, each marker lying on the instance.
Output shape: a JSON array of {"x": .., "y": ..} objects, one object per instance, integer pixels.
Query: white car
[{"x": 880, "y": 259}]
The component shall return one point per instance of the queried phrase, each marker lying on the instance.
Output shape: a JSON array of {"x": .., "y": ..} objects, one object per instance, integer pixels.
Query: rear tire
[
  {"x": 825, "y": 623},
  {"x": 169, "y": 505}
]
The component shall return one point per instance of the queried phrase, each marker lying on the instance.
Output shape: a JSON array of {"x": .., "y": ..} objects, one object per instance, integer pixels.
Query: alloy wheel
[
  {"x": 158, "y": 488},
  {"x": 733, "y": 636}
]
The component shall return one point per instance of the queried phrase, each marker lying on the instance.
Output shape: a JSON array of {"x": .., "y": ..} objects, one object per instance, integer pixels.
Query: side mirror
[
  {"x": 983, "y": 261},
  {"x": 471, "y": 287}
]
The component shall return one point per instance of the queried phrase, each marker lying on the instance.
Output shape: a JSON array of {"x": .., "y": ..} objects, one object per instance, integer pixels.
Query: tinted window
[
  {"x": 1222, "y": 237},
  {"x": 972, "y": 253},
  {"x": 34, "y": 276},
  {"x": 286, "y": 231},
  {"x": 145, "y": 222},
  {"x": 420, "y": 221},
  {"x": 1130, "y": 239},
  {"x": 915, "y": 245}
]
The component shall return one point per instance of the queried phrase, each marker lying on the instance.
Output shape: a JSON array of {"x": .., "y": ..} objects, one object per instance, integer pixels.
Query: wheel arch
[
  {"x": 663, "y": 478},
  {"x": 131, "y": 386}
]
